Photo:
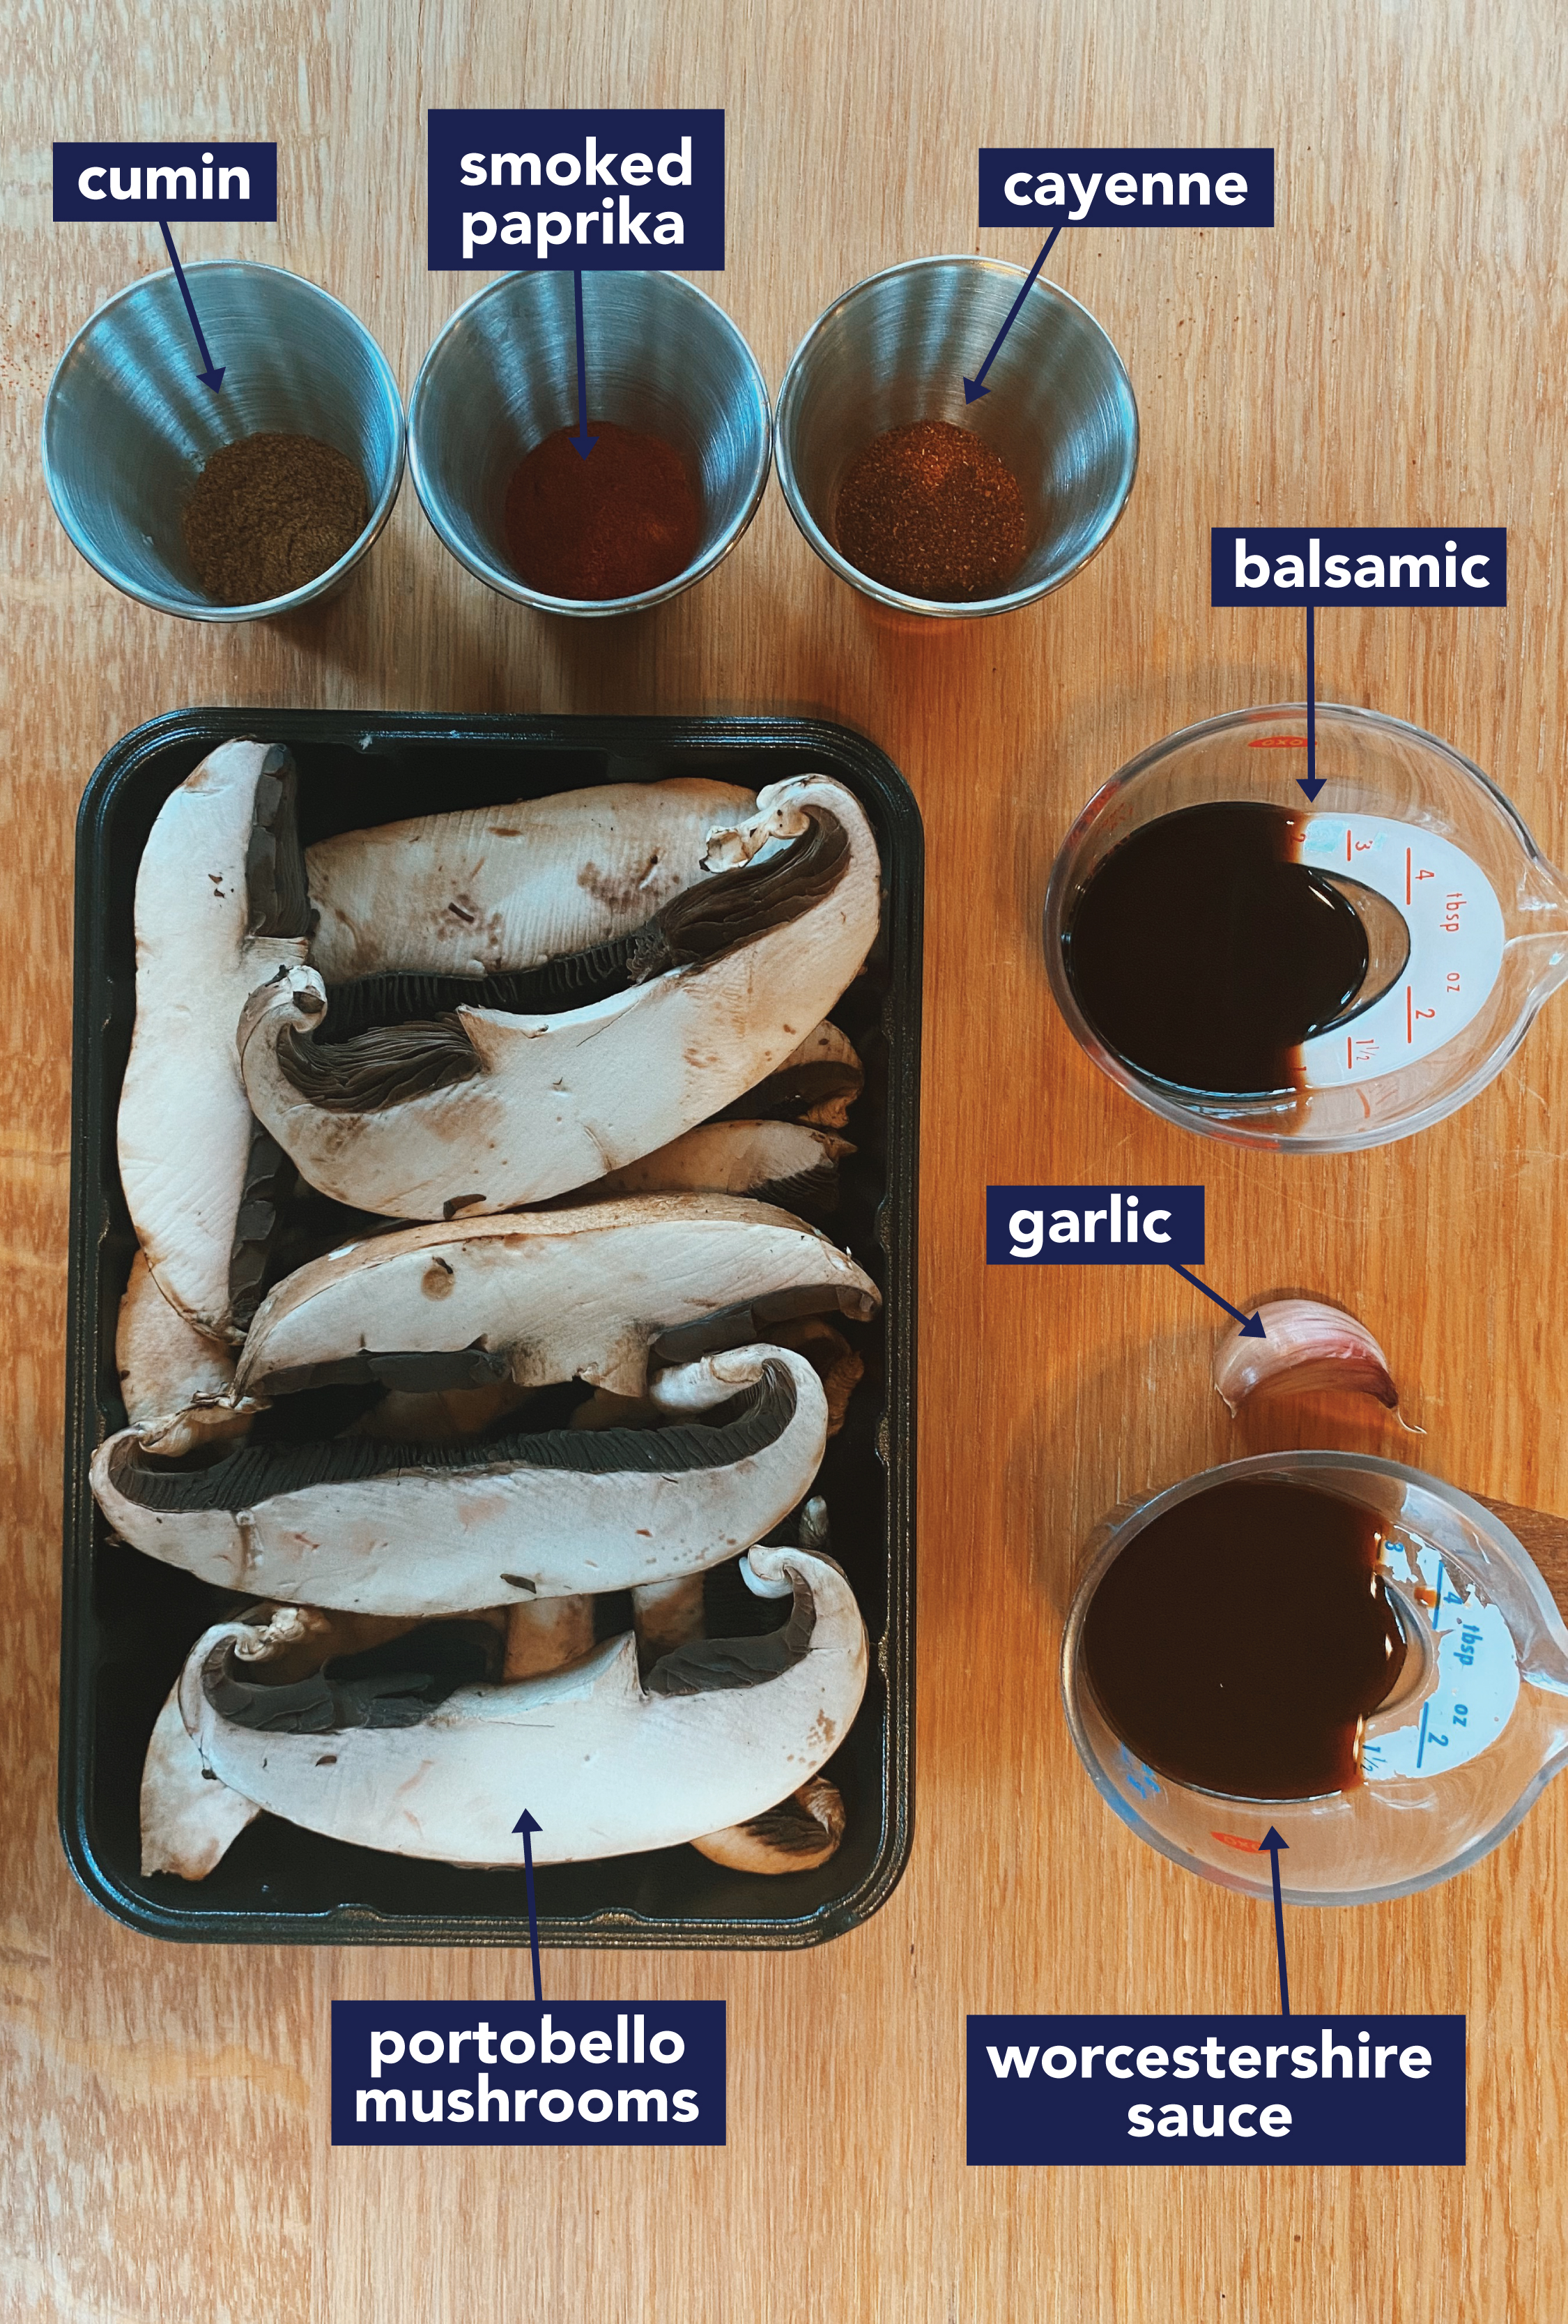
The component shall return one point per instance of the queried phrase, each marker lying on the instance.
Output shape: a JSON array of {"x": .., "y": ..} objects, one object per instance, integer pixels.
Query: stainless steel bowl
[
  {"x": 127, "y": 424},
  {"x": 1060, "y": 410},
  {"x": 660, "y": 358}
]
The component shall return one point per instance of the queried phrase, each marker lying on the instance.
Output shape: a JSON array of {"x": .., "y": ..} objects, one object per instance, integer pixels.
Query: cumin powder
[
  {"x": 269, "y": 513},
  {"x": 930, "y": 511}
]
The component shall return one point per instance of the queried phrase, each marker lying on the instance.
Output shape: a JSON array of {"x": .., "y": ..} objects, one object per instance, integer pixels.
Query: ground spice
[
  {"x": 931, "y": 511},
  {"x": 620, "y": 521},
  {"x": 269, "y": 513}
]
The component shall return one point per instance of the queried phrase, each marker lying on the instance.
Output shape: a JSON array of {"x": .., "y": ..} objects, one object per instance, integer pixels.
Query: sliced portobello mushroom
[
  {"x": 163, "y": 1362},
  {"x": 221, "y": 906},
  {"x": 190, "y": 1820},
  {"x": 488, "y": 890},
  {"x": 839, "y": 1367},
  {"x": 796, "y": 1836},
  {"x": 775, "y": 1161},
  {"x": 480, "y": 1109},
  {"x": 544, "y": 1296},
  {"x": 816, "y": 1084},
  {"x": 716, "y": 1735},
  {"x": 392, "y": 1528}
]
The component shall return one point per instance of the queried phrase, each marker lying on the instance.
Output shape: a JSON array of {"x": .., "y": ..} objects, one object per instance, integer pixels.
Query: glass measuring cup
[
  {"x": 1404, "y": 815},
  {"x": 1475, "y": 1728}
]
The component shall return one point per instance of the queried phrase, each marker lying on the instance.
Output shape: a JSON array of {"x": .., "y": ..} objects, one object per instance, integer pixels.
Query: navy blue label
[
  {"x": 1093, "y": 1226},
  {"x": 1359, "y": 564},
  {"x": 1216, "y": 2089},
  {"x": 146, "y": 183},
  {"x": 1127, "y": 184},
  {"x": 580, "y": 188},
  {"x": 522, "y": 2073}
]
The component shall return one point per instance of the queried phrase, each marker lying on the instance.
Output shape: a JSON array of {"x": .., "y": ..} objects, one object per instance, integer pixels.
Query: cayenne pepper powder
[
  {"x": 269, "y": 513},
  {"x": 620, "y": 521},
  {"x": 930, "y": 511}
]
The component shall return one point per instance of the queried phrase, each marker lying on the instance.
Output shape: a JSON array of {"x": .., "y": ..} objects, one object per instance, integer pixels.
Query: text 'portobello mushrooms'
[{"x": 480, "y": 1108}]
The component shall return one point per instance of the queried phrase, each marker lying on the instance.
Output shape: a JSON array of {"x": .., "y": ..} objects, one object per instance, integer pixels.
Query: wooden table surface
[{"x": 1391, "y": 353}]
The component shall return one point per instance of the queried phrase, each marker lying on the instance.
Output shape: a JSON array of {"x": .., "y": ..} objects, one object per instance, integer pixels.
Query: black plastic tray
[{"x": 127, "y": 1621}]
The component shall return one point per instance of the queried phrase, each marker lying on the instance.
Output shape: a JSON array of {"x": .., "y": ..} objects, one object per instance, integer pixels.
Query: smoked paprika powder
[
  {"x": 624, "y": 520},
  {"x": 930, "y": 511}
]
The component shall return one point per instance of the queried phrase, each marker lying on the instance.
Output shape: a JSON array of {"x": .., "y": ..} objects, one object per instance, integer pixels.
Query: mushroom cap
[
  {"x": 185, "y": 1120},
  {"x": 506, "y": 1107},
  {"x": 716, "y": 1737},
  {"x": 573, "y": 1293},
  {"x": 490, "y": 889},
  {"x": 525, "y": 1517}
]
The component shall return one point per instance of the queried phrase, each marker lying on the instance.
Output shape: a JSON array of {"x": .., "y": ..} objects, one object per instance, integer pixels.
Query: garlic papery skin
[{"x": 1308, "y": 1348}]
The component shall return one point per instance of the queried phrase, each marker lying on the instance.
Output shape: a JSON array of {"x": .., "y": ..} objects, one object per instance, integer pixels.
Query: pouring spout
[{"x": 1540, "y": 931}]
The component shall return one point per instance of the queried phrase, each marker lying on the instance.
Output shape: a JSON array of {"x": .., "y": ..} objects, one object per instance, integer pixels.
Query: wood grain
[{"x": 1392, "y": 353}]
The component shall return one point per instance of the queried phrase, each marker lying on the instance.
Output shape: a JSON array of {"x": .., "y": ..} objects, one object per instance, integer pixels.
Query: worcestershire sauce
[
  {"x": 1205, "y": 954},
  {"x": 1237, "y": 1641}
]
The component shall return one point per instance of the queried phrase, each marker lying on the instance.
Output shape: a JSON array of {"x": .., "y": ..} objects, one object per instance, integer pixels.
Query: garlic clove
[{"x": 1308, "y": 1348}]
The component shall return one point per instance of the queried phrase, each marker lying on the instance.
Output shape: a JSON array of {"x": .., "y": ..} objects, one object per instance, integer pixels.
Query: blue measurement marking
[{"x": 1421, "y": 1739}]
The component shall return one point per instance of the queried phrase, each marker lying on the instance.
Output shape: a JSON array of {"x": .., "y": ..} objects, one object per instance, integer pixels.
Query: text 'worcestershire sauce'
[
  {"x": 1204, "y": 953},
  {"x": 1238, "y": 1641}
]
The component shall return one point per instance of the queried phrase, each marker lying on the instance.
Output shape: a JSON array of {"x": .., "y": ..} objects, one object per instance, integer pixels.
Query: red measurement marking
[
  {"x": 1407, "y": 875},
  {"x": 1350, "y": 1056},
  {"x": 1347, "y": 843},
  {"x": 1409, "y": 1016},
  {"x": 1234, "y": 1840},
  {"x": 1279, "y": 742}
]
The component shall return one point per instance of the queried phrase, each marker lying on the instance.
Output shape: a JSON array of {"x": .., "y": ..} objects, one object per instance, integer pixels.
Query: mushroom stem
[
  {"x": 546, "y": 1634},
  {"x": 666, "y": 1615}
]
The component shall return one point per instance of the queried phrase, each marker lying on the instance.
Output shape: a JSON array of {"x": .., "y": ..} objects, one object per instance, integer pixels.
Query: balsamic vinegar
[{"x": 1203, "y": 954}]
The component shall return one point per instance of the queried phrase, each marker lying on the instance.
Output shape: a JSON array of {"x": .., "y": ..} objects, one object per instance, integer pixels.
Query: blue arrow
[
  {"x": 1311, "y": 782},
  {"x": 213, "y": 375},
  {"x": 974, "y": 387},
  {"x": 1273, "y": 1843},
  {"x": 1252, "y": 1325},
  {"x": 583, "y": 441},
  {"x": 526, "y": 1826}
]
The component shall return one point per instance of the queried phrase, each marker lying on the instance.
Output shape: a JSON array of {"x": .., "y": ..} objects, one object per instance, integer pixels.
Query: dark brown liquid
[
  {"x": 1205, "y": 954},
  {"x": 1239, "y": 1640}
]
